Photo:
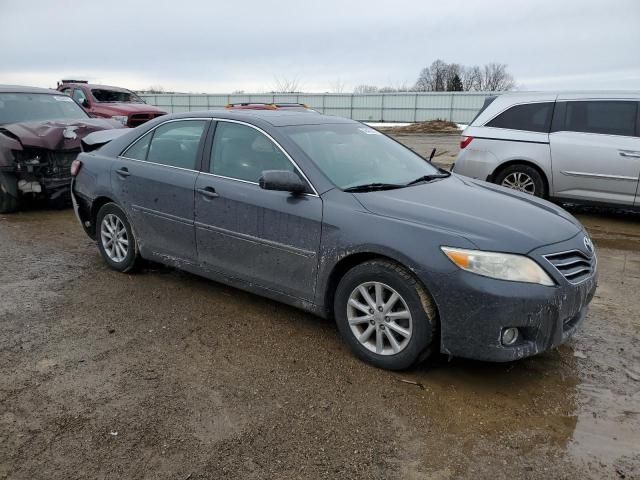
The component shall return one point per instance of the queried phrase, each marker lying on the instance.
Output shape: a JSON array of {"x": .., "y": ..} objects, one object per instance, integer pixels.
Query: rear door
[
  {"x": 595, "y": 150},
  {"x": 268, "y": 238},
  {"x": 155, "y": 179}
]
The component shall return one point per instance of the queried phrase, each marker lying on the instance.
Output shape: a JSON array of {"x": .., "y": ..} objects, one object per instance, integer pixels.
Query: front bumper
[{"x": 474, "y": 310}]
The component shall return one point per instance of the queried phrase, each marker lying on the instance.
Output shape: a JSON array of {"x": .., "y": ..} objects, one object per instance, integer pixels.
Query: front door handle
[
  {"x": 629, "y": 153},
  {"x": 208, "y": 192},
  {"x": 123, "y": 172}
]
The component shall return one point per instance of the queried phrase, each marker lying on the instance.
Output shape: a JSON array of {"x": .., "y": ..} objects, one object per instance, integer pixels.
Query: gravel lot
[{"x": 164, "y": 375}]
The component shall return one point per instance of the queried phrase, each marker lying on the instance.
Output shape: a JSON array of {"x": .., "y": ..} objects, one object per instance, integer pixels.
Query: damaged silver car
[{"x": 40, "y": 135}]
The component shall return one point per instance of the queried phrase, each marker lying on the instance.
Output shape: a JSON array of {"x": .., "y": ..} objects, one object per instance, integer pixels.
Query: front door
[
  {"x": 268, "y": 238},
  {"x": 595, "y": 151},
  {"x": 154, "y": 180}
]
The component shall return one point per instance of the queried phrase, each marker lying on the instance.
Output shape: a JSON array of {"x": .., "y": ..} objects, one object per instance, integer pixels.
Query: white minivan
[{"x": 575, "y": 147}]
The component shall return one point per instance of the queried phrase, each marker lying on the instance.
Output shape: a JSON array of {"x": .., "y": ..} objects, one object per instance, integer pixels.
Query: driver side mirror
[
  {"x": 85, "y": 103},
  {"x": 282, "y": 180}
]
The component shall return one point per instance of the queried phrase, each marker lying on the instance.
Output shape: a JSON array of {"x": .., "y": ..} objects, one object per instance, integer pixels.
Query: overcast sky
[{"x": 222, "y": 46}]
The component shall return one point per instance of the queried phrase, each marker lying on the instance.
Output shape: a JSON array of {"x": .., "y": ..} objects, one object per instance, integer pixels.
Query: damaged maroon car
[{"x": 40, "y": 134}]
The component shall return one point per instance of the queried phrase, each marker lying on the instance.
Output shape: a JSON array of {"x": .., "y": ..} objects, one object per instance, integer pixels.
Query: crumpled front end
[{"x": 36, "y": 157}]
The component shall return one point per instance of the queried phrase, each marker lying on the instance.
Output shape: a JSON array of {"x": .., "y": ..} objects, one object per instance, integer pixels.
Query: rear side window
[
  {"x": 176, "y": 143},
  {"x": 138, "y": 151},
  {"x": 607, "y": 117},
  {"x": 532, "y": 117},
  {"x": 243, "y": 153}
]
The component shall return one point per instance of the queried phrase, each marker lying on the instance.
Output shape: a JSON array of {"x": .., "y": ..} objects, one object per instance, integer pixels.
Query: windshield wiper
[
  {"x": 429, "y": 178},
  {"x": 368, "y": 187}
]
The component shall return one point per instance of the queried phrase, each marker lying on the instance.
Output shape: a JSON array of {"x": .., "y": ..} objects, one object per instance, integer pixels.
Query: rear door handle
[
  {"x": 123, "y": 172},
  {"x": 629, "y": 153},
  {"x": 208, "y": 192}
]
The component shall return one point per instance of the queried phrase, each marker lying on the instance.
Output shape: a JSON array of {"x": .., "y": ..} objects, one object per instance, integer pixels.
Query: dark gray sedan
[{"x": 331, "y": 216}]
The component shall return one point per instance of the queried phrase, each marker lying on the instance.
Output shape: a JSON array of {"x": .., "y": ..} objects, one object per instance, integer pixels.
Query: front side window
[
  {"x": 79, "y": 96},
  {"x": 175, "y": 144},
  {"x": 606, "y": 117},
  {"x": 531, "y": 117},
  {"x": 352, "y": 154},
  {"x": 243, "y": 153}
]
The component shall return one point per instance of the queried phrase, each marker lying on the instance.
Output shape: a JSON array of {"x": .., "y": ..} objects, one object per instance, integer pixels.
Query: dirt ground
[{"x": 164, "y": 375}]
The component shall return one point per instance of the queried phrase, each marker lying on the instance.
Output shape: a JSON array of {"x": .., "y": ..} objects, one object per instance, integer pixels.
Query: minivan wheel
[
  {"x": 385, "y": 315},
  {"x": 522, "y": 178},
  {"x": 115, "y": 238}
]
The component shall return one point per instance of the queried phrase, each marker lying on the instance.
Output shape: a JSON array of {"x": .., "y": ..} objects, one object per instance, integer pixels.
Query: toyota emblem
[{"x": 588, "y": 244}]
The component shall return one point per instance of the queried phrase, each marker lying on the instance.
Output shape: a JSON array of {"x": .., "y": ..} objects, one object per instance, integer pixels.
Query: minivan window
[
  {"x": 532, "y": 117},
  {"x": 243, "y": 153},
  {"x": 176, "y": 143},
  {"x": 607, "y": 117}
]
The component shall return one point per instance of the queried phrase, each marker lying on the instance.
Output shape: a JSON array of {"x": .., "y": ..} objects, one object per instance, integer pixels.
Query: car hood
[
  {"x": 50, "y": 134},
  {"x": 126, "y": 108},
  {"x": 492, "y": 217}
]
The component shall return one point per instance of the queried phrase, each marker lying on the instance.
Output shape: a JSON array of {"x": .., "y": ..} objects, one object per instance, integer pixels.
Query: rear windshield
[
  {"x": 114, "y": 96},
  {"x": 31, "y": 107}
]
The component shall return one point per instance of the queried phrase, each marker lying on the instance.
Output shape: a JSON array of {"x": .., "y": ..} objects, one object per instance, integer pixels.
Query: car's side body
[
  {"x": 585, "y": 146},
  {"x": 296, "y": 248}
]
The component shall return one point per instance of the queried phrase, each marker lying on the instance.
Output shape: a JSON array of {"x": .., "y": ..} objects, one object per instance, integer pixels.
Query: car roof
[
  {"x": 277, "y": 118},
  {"x": 23, "y": 89},
  {"x": 95, "y": 85}
]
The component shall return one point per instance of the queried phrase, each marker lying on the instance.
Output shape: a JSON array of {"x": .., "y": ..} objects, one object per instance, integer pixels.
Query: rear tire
[
  {"x": 390, "y": 336},
  {"x": 522, "y": 178},
  {"x": 8, "y": 203},
  {"x": 116, "y": 241}
]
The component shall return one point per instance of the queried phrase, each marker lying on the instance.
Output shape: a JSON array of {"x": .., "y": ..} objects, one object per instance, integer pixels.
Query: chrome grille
[{"x": 574, "y": 265}]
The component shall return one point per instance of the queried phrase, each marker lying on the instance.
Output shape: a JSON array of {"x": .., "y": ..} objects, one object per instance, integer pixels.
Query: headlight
[
  {"x": 121, "y": 118},
  {"x": 503, "y": 266}
]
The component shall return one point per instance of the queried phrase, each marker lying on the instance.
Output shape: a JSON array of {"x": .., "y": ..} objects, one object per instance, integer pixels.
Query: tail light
[
  {"x": 75, "y": 167},
  {"x": 464, "y": 141}
]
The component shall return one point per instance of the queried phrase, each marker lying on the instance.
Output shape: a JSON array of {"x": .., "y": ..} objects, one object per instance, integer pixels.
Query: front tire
[
  {"x": 8, "y": 202},
  {"x": 522, "y": 178},
  {"x": 385, "y": 315},
  {"x": 115, "y": 238}
]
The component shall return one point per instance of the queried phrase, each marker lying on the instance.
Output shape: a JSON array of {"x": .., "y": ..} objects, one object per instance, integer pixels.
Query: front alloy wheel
[
  {"x": 379, "y": 318},
  {"x": 385, "y": 314}
]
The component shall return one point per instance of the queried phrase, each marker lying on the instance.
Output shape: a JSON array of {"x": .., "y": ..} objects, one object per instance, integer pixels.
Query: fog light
[{"x": 510, "y": 336}]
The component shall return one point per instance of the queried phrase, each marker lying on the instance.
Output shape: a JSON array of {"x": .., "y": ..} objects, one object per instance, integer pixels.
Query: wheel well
[
  {"x": 342, "y": 267},
  {"x": 495, "y": 173},
  {"x": 95, "y": 208}
]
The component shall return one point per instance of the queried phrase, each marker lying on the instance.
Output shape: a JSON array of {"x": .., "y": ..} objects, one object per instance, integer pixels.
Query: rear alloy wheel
[
  {"x": 522, "y": 178},
  {"x": 385, "y": 315},
  {"x": 115, "y": 238}
]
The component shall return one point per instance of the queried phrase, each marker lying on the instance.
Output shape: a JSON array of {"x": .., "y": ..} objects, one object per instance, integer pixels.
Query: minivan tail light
[
  {"x": 75, "y": 167},
  {"x": 464, "y": 141}
]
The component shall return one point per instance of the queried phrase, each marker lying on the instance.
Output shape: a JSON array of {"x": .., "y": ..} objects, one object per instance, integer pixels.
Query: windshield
[
  {"x": 354, "y": 154},
  {"x": 28, "y": 107},
  {"x": 114, "y": 96}
]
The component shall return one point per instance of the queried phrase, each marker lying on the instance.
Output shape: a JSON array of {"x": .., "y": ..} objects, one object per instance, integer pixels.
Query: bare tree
[
  {"x": 155, "y": 89},
  {"x": 365, "y": 89},
  {"x": 286, "y": 85},
  {"x": 496, "y": 78},
  {"x": 471, "y": 79},
  {"x": 441, "y": 76},
  {"x": 237, "y": 92},
  {"x": 337, "y": 86}
]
